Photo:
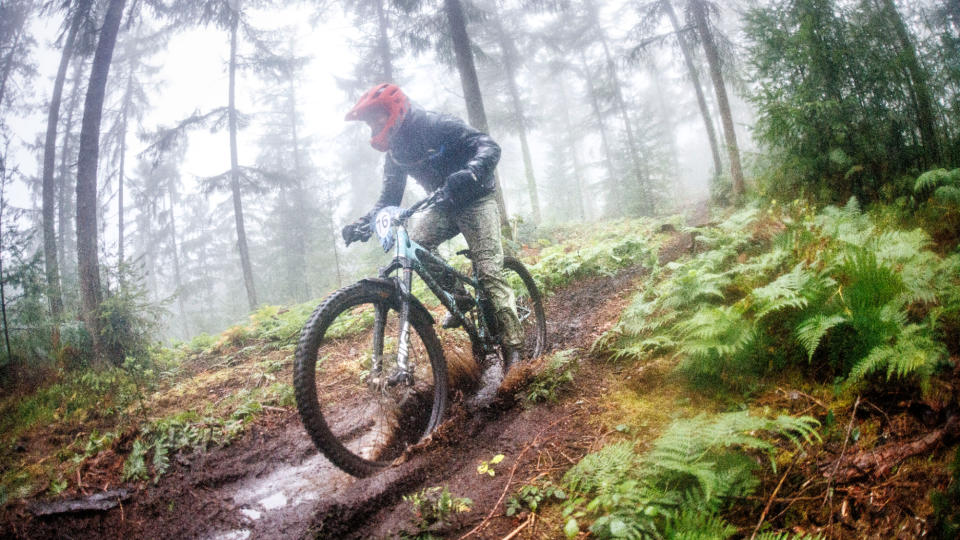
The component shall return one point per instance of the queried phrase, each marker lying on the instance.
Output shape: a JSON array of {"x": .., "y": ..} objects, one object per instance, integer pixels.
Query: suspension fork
[{"x": 404, "y": 371}]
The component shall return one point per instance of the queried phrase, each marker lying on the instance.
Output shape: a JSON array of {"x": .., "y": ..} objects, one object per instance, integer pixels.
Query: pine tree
[
  {"x": 699, "y": 11},
  {"x": 75, "y": 16},
  {"x": 88, "y": 261}
]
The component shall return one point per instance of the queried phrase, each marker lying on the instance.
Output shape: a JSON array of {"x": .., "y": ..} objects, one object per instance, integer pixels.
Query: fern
[
  {"x": 693, "y": 525},
  {"x": 675, "y": 489},
  {"x": 948, "y": 194},
  {"x": 715, "y": 338},
  {"x": 915, "y": 353},
  {"x": 793, "y": 290},
  {"x": 847, "y": 224},
  {"x": 811, "y": 331},
  {"x": 597, "y": 472},
  {"x": 135, "y": 466},
  {"x": 936, "y": 178}
]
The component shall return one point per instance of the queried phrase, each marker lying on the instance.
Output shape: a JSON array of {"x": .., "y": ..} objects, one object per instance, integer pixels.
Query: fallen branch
[
  {"x": 773, "y": 496},
  {"x": 520, "y": 528},
  {"x": 98, "y": 502},
  {"x": 843, "y": 449},
  {"x": 879, "y": 461}
]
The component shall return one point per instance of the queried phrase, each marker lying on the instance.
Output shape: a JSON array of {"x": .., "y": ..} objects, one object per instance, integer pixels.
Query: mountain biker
[{"x": 441, "y": 152}]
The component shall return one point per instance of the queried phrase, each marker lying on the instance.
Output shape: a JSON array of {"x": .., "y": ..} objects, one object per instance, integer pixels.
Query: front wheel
[
  {"x": 358, "y": 416},
  {"x": 529, "y": 307}
]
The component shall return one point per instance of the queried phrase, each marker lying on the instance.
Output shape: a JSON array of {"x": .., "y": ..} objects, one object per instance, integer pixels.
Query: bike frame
[{"x": 411, "y": 258}]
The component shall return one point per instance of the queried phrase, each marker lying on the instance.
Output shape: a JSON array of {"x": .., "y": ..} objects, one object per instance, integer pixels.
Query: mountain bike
[{"x": 370, "y": 376}]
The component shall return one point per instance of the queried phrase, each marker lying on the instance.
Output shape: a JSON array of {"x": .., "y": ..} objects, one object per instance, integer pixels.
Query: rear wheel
[
  {"x": 354, "y": 415},
  {"x": 529, "y": 307}
]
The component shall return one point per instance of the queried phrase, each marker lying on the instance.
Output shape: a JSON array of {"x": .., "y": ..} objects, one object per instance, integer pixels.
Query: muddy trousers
[{"x": 480, "y": 225}]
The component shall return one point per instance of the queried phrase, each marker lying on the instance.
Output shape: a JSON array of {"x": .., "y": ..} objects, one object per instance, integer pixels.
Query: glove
[
  {"x": 459, "y": 189},
  {"x": 358, "y": 230}
]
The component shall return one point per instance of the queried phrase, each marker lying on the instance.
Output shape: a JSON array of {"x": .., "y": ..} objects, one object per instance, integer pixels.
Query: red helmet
[{"x": 387, "y": 97}]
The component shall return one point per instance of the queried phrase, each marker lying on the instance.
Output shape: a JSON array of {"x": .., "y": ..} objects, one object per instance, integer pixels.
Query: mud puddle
[{"x": 280, "y": 496}]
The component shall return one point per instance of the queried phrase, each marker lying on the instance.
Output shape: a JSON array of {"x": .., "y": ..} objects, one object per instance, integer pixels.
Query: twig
[
  {"x": 772, "y": 497},
  {"x": 513, "y": 471},
  {"x": 271, "y": 408},
  {"x": 806, "y": 395},
  {"x": 881, "y": 411},
  {"x": 520, "y": 528},
  {"x": 836, "y": 467}
]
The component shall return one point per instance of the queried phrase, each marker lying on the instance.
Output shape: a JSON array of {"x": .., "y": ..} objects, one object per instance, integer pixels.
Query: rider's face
[{"x": 377, "y": 120}]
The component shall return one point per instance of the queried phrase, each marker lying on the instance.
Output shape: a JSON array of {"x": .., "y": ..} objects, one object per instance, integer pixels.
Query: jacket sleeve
[
  {"x": 485, "y": 152},
  {"x": 391, "y": 194}
]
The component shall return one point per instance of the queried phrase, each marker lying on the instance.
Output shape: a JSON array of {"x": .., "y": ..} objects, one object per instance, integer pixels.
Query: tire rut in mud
[{"x": 226, "y": 493}]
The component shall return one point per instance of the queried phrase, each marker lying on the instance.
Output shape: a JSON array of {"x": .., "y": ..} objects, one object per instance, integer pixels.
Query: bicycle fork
[{"x": 404, "y": 371}]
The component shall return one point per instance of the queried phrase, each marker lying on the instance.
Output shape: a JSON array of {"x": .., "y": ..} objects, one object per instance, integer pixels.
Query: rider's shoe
[{"x": 464, "y": 303}]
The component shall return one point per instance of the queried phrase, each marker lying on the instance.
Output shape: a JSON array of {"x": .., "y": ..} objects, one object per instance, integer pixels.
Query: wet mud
[{"x": 272, "y": 483}]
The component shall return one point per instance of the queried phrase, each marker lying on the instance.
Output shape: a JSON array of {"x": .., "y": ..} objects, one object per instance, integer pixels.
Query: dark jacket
[{"x": 431, "y": 146}]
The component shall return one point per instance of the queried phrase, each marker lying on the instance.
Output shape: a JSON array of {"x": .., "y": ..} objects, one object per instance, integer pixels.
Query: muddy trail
[{"x": 272, "y": 482}]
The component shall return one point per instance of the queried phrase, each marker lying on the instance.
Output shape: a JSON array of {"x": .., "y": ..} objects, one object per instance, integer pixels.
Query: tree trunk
[
  {"x": 919, "y": 81},
  {"x": 510, "y": 65},
  {"x": 639, "y": 170},
  {"x": 471, "y": 84},
  {"x": 235, "y": 171},
  {"x": 54, "y": 292},
  {"x": 697, "y": 88},
  {"x": 178, "y": 281},
  {"x": 65, "y": 203},
  {"x": 3, "y": 292},
  {"x": 713, "y": 59},
  {"x": 598, "y": 112},
  {"x": 87, "y": 259},
  {"x": 383, "y": 43},
  {"x": 572, "y": 144},
  {"x": 302, "y": 284},
  {"x": 123, "y": 156}
]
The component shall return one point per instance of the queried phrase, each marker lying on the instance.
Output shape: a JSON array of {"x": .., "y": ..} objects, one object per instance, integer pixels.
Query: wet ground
[{"x": 272, "y": 483}]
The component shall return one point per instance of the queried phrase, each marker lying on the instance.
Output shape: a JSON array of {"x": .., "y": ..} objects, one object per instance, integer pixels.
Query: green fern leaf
[
  {"x": 931, "y": 180},
  {"x": 793, "y": 290},
  {"x": 811, "y": 331},
  {"x": 915, "y": 353},
  {"x": 947, "y": 194},
  {"x": 694, "y": 525}
]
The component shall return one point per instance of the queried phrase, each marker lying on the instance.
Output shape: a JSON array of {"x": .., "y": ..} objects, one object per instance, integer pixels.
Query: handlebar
[
  {"x": 426, "y": 202},
  {"x": 366, "y": 228}
]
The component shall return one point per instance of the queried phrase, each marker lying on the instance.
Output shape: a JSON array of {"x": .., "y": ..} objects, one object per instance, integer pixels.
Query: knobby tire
[{"x": 314, "y": 337}]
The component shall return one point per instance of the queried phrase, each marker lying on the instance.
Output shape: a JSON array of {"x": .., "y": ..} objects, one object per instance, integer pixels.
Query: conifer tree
[
  {"x": 88, "y": 261},
  {"x": 699, "y": 13},
  {"x": 75, "y": 16}
]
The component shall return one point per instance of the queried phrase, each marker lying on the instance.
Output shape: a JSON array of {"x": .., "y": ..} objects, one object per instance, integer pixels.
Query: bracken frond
[
  {"x": 935, "y": 178},
  {"x": 811, "y": 331},
  {"x": 794, "y": 289},
  {"x": 915, "y": 353},
  {"x": 948, "y": 194}
]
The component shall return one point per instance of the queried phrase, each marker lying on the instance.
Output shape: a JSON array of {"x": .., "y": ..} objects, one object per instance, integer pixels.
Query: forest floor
[{"x": 272, "y": 483}]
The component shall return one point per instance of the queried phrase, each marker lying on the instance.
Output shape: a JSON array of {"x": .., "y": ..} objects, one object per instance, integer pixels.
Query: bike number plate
[{"x": 383, "y": 223}]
